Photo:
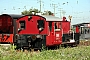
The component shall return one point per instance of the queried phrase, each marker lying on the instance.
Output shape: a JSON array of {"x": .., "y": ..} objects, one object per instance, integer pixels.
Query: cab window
[
  {"x": 22, "y": 24},
  {"x": 57, "y": 26},
  {"x": 40, "y": 23}
]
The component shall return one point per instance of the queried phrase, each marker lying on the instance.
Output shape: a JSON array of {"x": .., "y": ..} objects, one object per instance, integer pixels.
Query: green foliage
[
  {"x": 76, "y": 53},
  {"x": 25, "y": 12},
  {"x": 47, "y": 13},
  {"x": 29, "y": 12}
]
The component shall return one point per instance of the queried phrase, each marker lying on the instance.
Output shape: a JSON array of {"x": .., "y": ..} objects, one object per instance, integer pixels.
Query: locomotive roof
[
  {"x": 47, "y": 17},
  {"x": 14, "y": 16},
  {"x": 51, "y": 18}
]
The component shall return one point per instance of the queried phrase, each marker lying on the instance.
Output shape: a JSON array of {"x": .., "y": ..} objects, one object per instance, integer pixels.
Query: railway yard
[{"x": 45, "y": 30}]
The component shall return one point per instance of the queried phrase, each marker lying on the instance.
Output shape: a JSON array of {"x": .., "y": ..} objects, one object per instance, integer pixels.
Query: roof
[
  {"x": 80, "y": 24},
  {"x": 47, "y": 17},
  {"x": 14, "y": 16},
  {"x": 51, "y": 18}
]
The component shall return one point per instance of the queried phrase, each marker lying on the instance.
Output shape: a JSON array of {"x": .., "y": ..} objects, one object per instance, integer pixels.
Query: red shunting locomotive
[
  {"x": 31, "y": 32},
  {"x": 35, "y": 31},
  {"x": 70, "y": 37}
]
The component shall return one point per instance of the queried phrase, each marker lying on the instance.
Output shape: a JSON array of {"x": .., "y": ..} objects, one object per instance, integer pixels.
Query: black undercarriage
[
  {"x": 68, "y": 37},
  {"x": 30, "y": 42}
]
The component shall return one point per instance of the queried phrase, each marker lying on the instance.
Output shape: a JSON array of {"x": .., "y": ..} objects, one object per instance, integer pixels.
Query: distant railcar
[
  {"x": 7, "y": 27},
  {"x": 84, "y": 29}
]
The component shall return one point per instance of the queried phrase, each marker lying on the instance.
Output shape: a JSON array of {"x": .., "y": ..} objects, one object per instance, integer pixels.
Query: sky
[{"x": 78, "y": 9}]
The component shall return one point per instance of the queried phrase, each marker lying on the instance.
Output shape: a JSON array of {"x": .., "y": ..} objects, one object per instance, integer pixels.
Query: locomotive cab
[{"x": 31, "y": 32}]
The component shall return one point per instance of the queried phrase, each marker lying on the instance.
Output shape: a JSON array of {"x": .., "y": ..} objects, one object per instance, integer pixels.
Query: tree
[
  {"x": 26, "y": 12},
  {"x": 47, "y": 13}
]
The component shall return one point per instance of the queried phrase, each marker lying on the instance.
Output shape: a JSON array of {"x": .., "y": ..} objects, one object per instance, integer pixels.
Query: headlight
[
  {"x": 16, "y": 36},
  {"x": 40, "y": 29},
  {"x": 19, "y": 29},
  {"x": 39, "y": 36},
  {"x": 33, "y": 37}
]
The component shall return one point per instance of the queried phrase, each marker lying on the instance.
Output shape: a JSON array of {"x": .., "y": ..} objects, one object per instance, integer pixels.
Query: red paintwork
[
  {"x": 65, "y": 27},
  {"x": 6, "y": 27},
  {"x": 77, "y": 29},
  {"x": 54, "y": 37},
  {"x": 4, "y": 38},
  {"x": 31, "y": 26},
  {"x": 51, "y": 36}
]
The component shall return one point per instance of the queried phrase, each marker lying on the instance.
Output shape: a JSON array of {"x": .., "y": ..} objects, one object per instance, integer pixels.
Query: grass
[{"x": 76, "y": 53}]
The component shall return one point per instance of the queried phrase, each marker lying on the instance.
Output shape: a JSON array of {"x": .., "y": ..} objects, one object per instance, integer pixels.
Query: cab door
[
  {"x": 51, "y": 35},
  {"x": 55, "y": 34},
  {"x": 58, "y": 33}
]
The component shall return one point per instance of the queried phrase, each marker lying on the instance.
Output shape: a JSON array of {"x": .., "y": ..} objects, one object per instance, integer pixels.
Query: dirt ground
[{"x": 84, "y": 42}]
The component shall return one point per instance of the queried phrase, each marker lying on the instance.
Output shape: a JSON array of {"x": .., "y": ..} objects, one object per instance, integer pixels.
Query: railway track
[{"x": 82, "y": 43}]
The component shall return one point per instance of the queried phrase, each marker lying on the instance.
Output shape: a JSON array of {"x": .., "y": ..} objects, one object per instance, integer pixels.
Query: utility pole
[
  {"x": 40, "y": 1},
  {"x": 40, "y": 6},
  {"x": 54, "y": 6},
  {"x": 60, "y": 9}
]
